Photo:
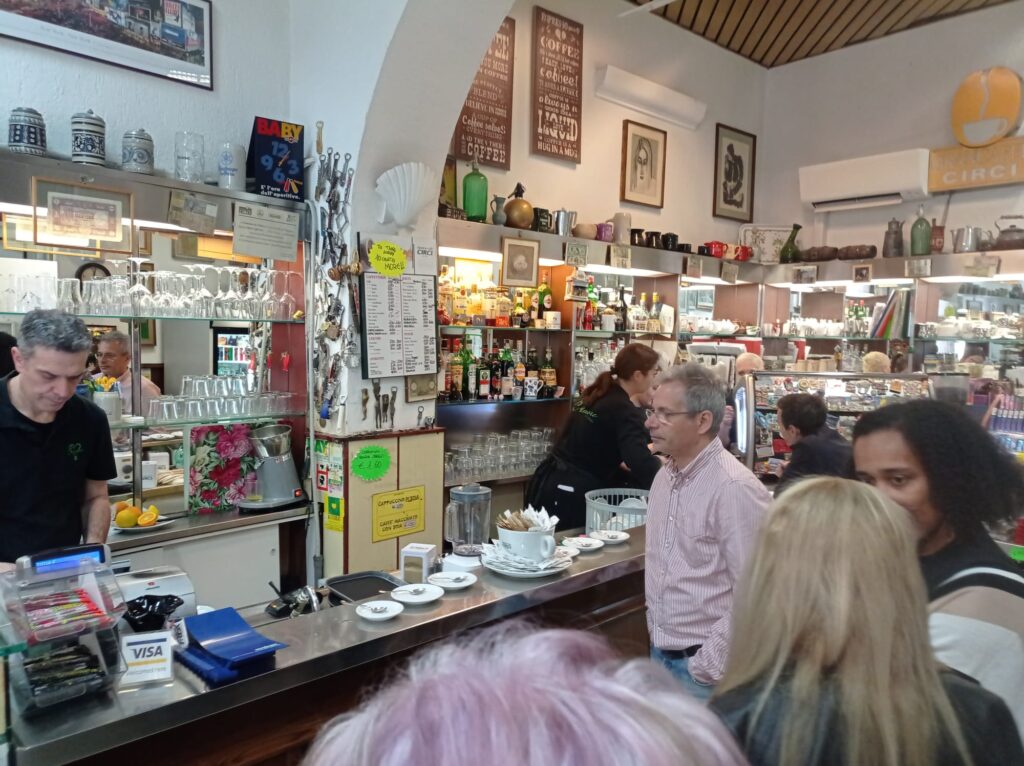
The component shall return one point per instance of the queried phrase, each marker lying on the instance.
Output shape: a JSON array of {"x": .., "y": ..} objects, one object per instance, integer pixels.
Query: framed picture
[
  {"x": 520, "y": 262},
  {"x": 805, "y": 275},
  {"x": 643, "y": 164},
  {"x": 147, "y": 332},
  {"x": 862, "y": 273},
  {"x": 449, "y": 180},
  {"x": 735, "y": 155},
  {"x": 171, "y": 39}
]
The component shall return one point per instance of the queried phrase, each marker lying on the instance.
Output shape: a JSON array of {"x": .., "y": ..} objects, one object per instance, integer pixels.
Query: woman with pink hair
[{"x": 512, "y": 694}]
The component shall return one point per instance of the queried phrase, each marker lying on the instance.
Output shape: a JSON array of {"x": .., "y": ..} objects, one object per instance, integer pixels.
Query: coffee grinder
[{"x": 278, "y": 483}]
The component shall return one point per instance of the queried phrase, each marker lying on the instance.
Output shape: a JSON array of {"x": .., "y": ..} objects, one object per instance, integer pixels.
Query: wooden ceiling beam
[
  {"x": 786, "y": 23},
  {"x": 689, "y": 12},
  {"x": 827, "y": 40},
  {"x": 868, "y": 12},
  {"x": 732, "y": 22},
  {"x": 771, "y": 10},
  {"x": 802, "y": 33},
  {"x": 722, "y": 12},
  {"x": 703, "y": 17}
]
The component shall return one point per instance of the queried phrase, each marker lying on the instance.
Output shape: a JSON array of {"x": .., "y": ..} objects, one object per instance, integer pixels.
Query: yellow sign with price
[{"x": 398, "y": 513}]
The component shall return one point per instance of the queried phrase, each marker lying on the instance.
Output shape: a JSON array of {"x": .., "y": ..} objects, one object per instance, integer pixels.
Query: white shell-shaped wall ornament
[{"x": 406, "y": 189}]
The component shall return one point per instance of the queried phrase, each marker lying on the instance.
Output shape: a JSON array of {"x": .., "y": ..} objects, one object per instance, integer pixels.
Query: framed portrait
[
  {"x": 520, "y": 262},
  {"x": 735, "y": 155},
  {"x": 82, "y": 216},
  {"x": 805, "y": 275},
  {"x": 862, "y": 273},
  {"x": 449, "y": 193},
  {"x": 167, "y": 38},
  {"x": 643, "y": 164}
]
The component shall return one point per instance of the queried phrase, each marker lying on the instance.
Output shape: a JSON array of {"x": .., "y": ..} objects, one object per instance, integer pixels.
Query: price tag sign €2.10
[
  {"x": 371, "y": 463},
  {"x": 387, "y": 258}
]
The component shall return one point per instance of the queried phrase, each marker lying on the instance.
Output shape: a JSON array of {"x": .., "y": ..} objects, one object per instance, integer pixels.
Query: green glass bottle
[
  {"x": 921, "y": 234},
  {"x": 790, "y": 253},
  {"x": 474, "y": 194}
]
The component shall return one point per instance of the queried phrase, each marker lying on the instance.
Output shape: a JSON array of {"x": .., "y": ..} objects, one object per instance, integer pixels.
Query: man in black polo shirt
[{"x": 55, "y": 446}]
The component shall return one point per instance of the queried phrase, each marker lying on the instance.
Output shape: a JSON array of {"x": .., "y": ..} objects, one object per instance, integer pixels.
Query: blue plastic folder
[{"x": 223, "y": 648}]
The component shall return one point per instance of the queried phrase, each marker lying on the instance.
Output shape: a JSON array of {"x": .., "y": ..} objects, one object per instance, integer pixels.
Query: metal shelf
[
  {"x": 204, "y": 421},
  {"x": 484, "y": 402},
  {"x": 953, "y": 339},
  {"x": 458, "y": 329},
  {"x": 130, "y": 317}
]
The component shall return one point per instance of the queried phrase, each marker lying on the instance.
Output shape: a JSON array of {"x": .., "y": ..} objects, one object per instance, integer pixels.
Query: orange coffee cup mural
[{"x": 986, "y": 107}]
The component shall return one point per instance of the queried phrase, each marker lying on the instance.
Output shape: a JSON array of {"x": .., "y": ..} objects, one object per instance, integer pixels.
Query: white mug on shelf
[{"x": 536, "y": 546}]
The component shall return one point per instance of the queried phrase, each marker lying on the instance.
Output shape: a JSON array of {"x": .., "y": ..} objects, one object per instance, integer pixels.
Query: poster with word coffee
[
  {"x": 484, "y": 129},
  {"x": 556, "y": 105}
]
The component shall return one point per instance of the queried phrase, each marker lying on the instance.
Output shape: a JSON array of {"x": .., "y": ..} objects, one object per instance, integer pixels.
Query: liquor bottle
[
  {"x": 468, "y": 373},
  {"x": 444, "y": 378},
  {"x": 455, "y": 369},
  {"x": 921, "y": 234},
  {"x": 504, "y": 318},
  {"x": 532, "y": 367},
  {"x": 483, "y": 386},
  {"x": 507, "y": 371},
  {"x": 474, "y": 303},
  {"x": 545, "y": 301},
  {"x": 654, "y": 316},
  {"x": 547, "y": 371},
  {"x": 622, "y": 321},
  {"x": 460, "y": 307},
  {"x": 495, "y": 373},
  {"x": 520, "y": 364}
]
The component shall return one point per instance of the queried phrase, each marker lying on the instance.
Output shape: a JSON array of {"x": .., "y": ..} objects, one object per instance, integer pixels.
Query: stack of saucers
[{"x": 504, "y": 563}]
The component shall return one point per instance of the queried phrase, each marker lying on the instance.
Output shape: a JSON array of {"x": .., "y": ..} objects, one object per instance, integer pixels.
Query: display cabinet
[{"x": 846, "y": 395}]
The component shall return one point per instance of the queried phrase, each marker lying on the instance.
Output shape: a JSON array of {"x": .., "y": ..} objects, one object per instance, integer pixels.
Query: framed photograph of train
[{"x": 167, "y": 38}]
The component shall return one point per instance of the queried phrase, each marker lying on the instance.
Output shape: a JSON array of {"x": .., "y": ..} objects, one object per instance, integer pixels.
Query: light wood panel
[
  {"x": 363, "y": 553},
  {"x": 421, "y": 461},
  {"x": 776, "y": 32}
]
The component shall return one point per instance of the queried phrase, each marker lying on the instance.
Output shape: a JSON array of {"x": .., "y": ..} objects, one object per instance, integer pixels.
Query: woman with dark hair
[
  {"x": 605, "y": 431},
  {"x": 955, "y": 481}
]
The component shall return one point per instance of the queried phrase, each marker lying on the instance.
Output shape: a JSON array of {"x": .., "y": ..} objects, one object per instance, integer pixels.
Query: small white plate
[
  {"x": 582, "y": 544},
  {"x": 569, "y": 549},
  {"x": 452, "y": 580},
  {"x": 412, "y": 594},
  {"x": 388, "y": 610},
  {"x": 141, "y": 530},
  {"x": 610, "y": 536},
  {"x": 524, "y": 575}
]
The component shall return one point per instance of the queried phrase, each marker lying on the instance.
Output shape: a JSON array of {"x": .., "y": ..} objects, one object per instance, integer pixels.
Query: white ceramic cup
[
  {"x": 621, "y": 223},
  {"x": 535, "y": 546},
  {"x": 110, "y": 403},
  {"x": 553, "y": 319},
  {"x": 231, "y": 167},
  {"x": 531, "y": 387}
]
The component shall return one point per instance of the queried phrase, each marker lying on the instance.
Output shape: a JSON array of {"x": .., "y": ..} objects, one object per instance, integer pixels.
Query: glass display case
[{"x": 847, "y": 396}]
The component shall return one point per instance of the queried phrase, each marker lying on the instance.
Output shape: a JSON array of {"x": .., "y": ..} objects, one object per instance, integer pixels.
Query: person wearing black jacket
[
  {"x": 817, "y": 449},
  {"x": 605, "y": 431}
]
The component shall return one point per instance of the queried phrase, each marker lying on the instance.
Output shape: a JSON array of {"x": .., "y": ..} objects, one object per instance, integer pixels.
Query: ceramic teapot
[
  {"x": 1010, "y": 237},
  {"x": 892, "y": 246}
]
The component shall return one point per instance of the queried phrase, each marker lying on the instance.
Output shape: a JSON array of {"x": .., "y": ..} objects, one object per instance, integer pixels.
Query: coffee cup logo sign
[{"x": 986, "y": 107}]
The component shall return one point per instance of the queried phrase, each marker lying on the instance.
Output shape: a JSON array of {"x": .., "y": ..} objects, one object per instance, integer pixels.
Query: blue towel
[{"x": 225, "y": 636}]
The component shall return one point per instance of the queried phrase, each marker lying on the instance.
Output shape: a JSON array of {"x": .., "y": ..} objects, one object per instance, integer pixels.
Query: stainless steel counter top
[
  {"x": 190, "y": 526},
  {"x": 319, "y": 644}
]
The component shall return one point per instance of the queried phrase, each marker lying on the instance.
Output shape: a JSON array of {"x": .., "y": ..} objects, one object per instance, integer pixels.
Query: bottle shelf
[
  {"x": 502, "y": 402},
  {"x": 459, "y": 329},
  {"x": 953, "y": 338},
  {"x": 857, "y": 338},
  {"x": 130, "y": 317},
  {"x": 614, "y": 333},
  {"x": 204, "y": 422}
]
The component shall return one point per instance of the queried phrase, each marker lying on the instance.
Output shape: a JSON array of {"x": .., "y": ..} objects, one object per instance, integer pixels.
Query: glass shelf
[
  {"x": 953, "y": 339},
  {"x": 175, "y": 424},
  {"x": 612, "y": 333},
  {"x": 458, "y": 329},
  {"x": 129, "y": 317},
  {"x": 858, "y": 338},
  {"x": 482, "y": 402},
  {"x": 497, "y": 481}
]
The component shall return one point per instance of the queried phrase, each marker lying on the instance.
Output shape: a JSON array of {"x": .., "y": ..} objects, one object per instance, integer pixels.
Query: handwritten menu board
[
  {"x": 556, "y": 120},
  {"x": 484, "y": 128},
  {"x": 399, "y": 325}
]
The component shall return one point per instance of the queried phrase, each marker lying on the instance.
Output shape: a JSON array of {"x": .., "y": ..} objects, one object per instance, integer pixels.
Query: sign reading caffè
[{"x": 986, "y": 110}]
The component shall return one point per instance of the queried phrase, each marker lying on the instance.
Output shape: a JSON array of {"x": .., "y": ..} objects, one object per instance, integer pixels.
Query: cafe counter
[{"x": 332, "y": 658}]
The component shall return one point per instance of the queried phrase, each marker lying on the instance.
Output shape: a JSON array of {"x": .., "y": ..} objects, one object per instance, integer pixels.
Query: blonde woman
[{"x": 830, "y": 661}]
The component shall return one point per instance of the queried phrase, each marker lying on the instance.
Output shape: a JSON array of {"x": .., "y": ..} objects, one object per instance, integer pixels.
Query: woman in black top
[{"x": 605, "y": 431}]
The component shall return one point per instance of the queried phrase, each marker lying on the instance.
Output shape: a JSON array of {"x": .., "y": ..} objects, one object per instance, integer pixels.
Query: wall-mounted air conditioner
[{"x": 883, "y": 179}]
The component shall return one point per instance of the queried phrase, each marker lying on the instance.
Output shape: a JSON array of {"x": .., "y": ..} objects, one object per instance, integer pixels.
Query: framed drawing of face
[
  {"x": 520, "y": 262},
  {"x": 643, "y": 164},
  {"x": 735, "y": 154}
]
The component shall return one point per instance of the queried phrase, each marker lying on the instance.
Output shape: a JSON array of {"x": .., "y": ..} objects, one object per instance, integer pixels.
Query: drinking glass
[
  {"x": 238, "y": 386},
  {"x": 69, "y": 295},
  {"x": 138, "y": 294},
  {"x": 189, "y": 156},
  {"x": 193, "y": 409},
  {"x": 211, "y": 408},
  {"x": 264, "y": 404},
  {"x": 204, "y": 387},
  {"x": 247, "y": 406},
  {"x": 284, "y": 403},
  {"x": 231, "y": 407},
  {"x": 221, "y": 387},
  {"x": 170, "y": 410}
]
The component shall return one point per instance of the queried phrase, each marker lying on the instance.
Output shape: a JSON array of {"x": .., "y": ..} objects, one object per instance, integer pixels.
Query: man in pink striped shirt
[{"x": 703, "y": 517}]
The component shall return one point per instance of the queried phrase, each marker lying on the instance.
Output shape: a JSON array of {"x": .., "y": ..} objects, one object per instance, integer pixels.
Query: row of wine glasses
[{"x": 204, "y": 291}]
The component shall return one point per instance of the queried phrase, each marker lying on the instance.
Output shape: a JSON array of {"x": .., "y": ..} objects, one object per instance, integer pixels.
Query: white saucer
[
  {"x": 582, "y": 544},
  {"x": 572, "y": 550},
  {"x": 141, "y": 530},
  {"x": 391, "y": 609},
  {"x": 519, "y": 574},
  {"x": 411, "y": 594},
  {"x": 447, "y": 580},
  {"x": 610, "y": 536}
]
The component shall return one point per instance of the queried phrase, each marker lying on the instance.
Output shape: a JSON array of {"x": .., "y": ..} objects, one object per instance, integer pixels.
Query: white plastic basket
[{"x": 605, "y": 510}]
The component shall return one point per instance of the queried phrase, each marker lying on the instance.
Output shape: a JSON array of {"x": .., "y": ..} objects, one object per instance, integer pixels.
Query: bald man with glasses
[{"x": 704, "y": 514}]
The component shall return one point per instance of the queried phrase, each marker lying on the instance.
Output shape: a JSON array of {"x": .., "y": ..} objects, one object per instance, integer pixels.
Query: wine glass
[
  {"x": 140, "y": 298},
  {"x": 285, "y": 308}
]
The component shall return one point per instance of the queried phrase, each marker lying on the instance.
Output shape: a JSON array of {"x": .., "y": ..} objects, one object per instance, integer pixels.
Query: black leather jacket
[{"x": 987, "y": 724}]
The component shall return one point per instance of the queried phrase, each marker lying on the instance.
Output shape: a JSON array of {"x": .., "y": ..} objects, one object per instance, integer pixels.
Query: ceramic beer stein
[
  {"x": 26, "y": 132},
  {"x": 137, "y": 152},
  {"x": 88, "y": 139}
]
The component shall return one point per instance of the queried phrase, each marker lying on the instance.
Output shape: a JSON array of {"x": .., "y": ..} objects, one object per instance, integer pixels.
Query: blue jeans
[{"x": 679, "y": 668}]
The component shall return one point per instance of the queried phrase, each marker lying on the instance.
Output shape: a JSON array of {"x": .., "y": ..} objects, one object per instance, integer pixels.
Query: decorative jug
[
  {"x": 498, "y": 216},
  {"x": 892, "y": 246}
]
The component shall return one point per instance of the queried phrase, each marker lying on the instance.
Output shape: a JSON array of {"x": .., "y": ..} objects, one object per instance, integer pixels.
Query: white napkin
[
  {"x": 501, "y": 557},
  {"x": 539, "y": 521}
]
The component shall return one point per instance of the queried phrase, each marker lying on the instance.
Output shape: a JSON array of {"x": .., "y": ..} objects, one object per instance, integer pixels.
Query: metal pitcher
[
  {"x": 892, "y": 246},
  {"x": 564, "y": 221}
]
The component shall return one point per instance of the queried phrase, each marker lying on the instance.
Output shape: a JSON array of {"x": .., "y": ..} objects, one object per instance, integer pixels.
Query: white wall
[
  {"x": 649, "y": 46},
  {"x": 890, "y": 94},
  {"x": 250, "y": 77}
]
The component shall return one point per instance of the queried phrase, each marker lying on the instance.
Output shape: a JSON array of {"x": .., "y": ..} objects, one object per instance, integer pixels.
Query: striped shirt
[{"x": 702, "y": 523}]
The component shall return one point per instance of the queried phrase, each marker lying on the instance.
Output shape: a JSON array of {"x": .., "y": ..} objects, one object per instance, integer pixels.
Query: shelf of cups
[
  {"x": 496, "y": 481},
  {"x": 858, "y": 338},
  {"x": 129, "y": 317},
  {"x": 614, "y": 333},
  {"x": 210, "y": 421},
  {"x": 953, "y": 339}
]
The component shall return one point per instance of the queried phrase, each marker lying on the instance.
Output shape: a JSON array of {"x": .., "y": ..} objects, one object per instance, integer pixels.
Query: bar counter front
[{"x": 333, "y": 658}]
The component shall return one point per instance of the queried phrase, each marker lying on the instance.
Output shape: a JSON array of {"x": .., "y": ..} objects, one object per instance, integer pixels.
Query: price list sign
[
  {"x": 399, "y": 325},
  {"x": 556, "y": 111},
  {"x": 484, "y": 128}
]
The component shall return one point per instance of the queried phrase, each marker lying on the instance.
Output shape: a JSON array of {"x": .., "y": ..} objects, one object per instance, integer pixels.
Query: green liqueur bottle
[
  {"x": 921, "y": 234},
  {"x": 474, "y": 194},
  {"x": 790, "y": 253}
]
